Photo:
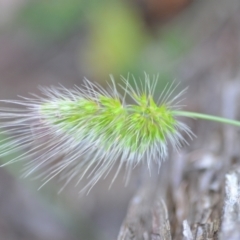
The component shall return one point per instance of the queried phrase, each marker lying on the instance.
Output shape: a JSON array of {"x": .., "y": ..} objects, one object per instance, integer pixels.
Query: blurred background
[{"x": 47, "y": 42}]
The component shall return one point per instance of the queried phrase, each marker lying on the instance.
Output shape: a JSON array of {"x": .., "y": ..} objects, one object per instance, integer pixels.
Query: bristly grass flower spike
[{"x": 83, "y": 132}]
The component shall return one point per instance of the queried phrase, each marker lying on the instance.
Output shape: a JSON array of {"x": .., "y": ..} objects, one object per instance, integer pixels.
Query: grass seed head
[{"x": 84, "y": 132}]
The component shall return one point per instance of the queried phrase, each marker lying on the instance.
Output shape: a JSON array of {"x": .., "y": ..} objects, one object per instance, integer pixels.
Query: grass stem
[{"x": 206, "y": 117}]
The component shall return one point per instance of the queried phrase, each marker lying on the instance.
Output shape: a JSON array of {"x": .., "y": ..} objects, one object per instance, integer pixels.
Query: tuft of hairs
[{"x": 85, "y": 131}]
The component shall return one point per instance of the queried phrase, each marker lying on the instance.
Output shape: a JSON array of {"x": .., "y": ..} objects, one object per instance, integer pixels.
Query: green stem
[{"x": 206, "y": 117}]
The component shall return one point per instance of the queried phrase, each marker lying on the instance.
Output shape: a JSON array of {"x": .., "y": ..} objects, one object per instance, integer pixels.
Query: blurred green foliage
[
  {"x": 53, "y": 18},
  {"x": 117, "y": 42},
  {"x": 117, "y": 38}
]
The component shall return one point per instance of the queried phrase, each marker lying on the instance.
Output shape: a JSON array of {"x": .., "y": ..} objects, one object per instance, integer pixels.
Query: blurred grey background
[{"x": 48, "y": 42}]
